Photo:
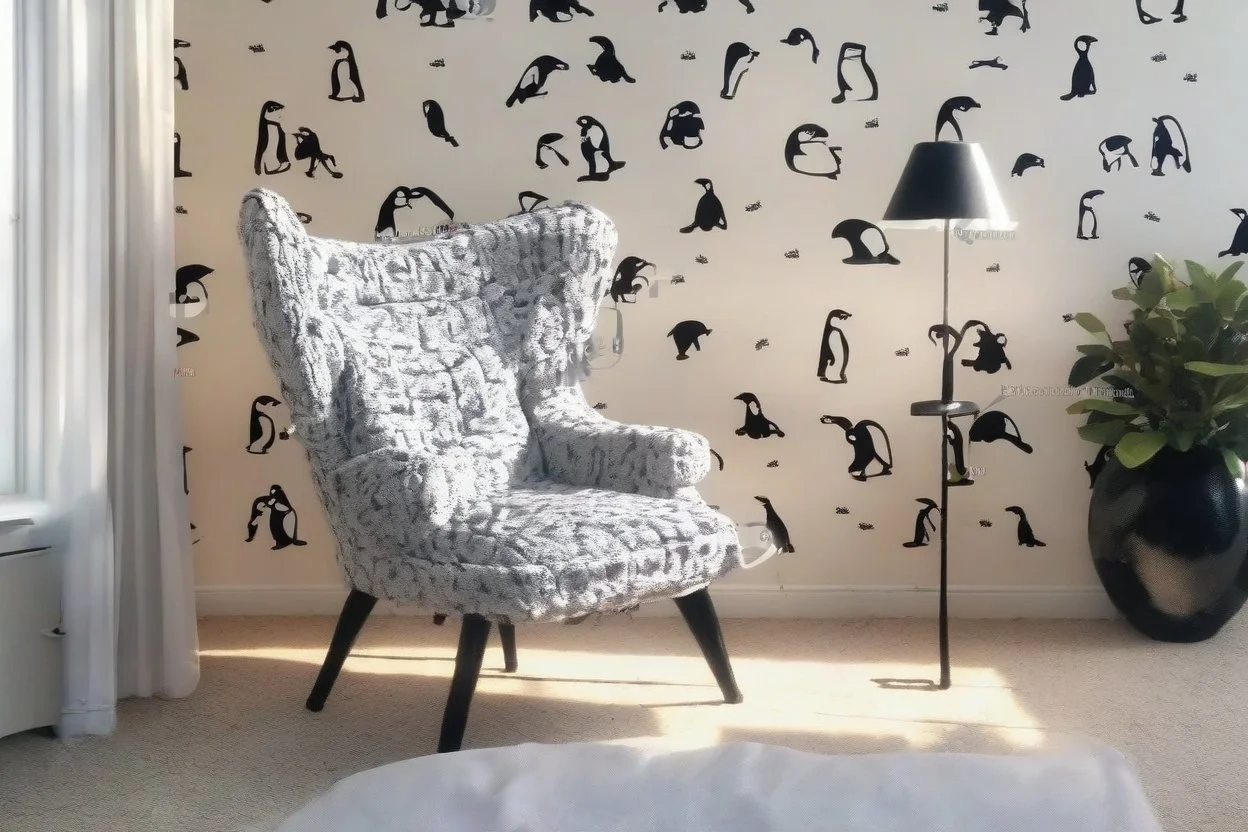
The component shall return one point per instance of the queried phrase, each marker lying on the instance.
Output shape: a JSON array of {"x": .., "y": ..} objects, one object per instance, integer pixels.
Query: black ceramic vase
[{"x": 1170, "y": 543}]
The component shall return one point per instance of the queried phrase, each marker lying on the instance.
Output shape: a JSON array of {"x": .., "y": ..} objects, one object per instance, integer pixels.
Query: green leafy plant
[{"x": 1180, "y": 372}]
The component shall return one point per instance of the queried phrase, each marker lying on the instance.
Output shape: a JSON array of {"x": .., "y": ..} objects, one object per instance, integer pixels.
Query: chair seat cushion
[{"x": 549, "y": 552}]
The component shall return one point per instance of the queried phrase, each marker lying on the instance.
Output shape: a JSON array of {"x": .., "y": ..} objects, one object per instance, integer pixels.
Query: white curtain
[{"x": 98, "y": 76}]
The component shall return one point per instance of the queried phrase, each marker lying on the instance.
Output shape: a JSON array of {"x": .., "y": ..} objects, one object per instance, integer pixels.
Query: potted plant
[{"x": 1168, "y": 519}]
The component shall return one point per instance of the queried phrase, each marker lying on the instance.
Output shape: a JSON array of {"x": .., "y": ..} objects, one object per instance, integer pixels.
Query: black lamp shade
[{"x": 946, "y": 181}]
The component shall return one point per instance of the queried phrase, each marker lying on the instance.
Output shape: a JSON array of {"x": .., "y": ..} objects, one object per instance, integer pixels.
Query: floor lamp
[{"x": 946, "y": 183}]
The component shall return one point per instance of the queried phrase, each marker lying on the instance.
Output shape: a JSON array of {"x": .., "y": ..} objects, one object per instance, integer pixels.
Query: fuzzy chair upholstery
[{"x": 460, "y": 472}]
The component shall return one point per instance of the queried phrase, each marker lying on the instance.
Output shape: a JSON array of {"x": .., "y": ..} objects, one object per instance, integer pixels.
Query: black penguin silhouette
[
  {"x": 991, "y": 357},
  {"x": 261, "y": 430},
  {"x": 430, "y": 9},
  {"x": 185, "y": 336},
  {"x": 953, "y": 435},
  {"x": 936, "y": 334},
  {"x": 737, "y": 59},
  {"x": 682, "y": 127},
  {"x": 1113, "y": 150},
  {"x": 530, "y": 200},
  {"x": 186, "y": 484},
  {"x": 178, "y": 173},
  {"x": 756, "y": 426},
  {"x": 998, "y": 11},
  {"x": 546, "y": 142},
  {"x": 624, "y": 285},
  {"x": 993, "y": 425},
  {"x": 834, "y": 348},
  {"x": 1088, "y": 214},
  {"x": 1097, "y": 465},
  {"x": 534, "y": 78},
  {"x": 179, "y": 68},
  {"x": 188, "y": 284},
  {"x": 1137, "y": 267},
  {"x": 853, "y": 59},
  {"x": 799, "y": 36},
  {"x": 1148, "y": 18},
  {"x": 958, "y": 104},
  {"x": 923, "y": 525},
  {"x": 990, "y": 63},
  {"x": 775, "y": 527},
  {"x": 1025, "y": 162},
  {"x": 1026, "y": 537},
  {"x": 852, "y": 231},
  {"x": 718, "y": 459},
  {"x": 435, "y": 120},
  {"x": 345, "y": 63},
  {"x": 308, "y": 148},
  {"x": 824, "y": 162},
  {"x": 607, "y": 67},
  {"x": 283, "y": 519},
  {"x": 685, "y": 6},
  {"x": 710, "y": 211},
  {"x": 860, "y": 437},
  {"x": 686, "y": 335},
  {"x": 1239, "y": 243},
  {"x": 556, "y": 11},
  {"x": 1164, "y": 148},
  {"x": 271, "y": 135},
  {"x": 1083, "y": 77},
  {"x": 596, "y": 150},
  {"x": 402, "y": 197}
]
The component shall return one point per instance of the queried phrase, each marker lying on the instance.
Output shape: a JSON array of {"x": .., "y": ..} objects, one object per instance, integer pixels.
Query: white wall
[{"x": 748, "y": 290}]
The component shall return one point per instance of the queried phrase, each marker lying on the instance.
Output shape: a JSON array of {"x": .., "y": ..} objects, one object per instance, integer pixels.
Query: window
[{"x": 11, "y": 298}]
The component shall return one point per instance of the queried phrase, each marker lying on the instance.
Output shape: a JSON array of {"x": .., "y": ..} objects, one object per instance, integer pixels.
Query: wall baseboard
[{"x": 733, "y": 601}]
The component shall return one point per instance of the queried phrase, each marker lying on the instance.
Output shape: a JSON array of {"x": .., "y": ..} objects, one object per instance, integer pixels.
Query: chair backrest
[{"x": 438, "y": 346}]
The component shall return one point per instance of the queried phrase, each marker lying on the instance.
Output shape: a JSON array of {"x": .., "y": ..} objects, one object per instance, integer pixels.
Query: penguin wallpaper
[{"x": 747, "y": 153}]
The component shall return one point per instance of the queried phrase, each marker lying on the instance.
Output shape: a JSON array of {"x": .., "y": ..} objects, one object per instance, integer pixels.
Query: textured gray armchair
[{"x": 459, "y": 471}]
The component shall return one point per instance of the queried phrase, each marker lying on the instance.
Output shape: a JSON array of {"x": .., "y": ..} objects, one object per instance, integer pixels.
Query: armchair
[{"x": 459, "y": 470}]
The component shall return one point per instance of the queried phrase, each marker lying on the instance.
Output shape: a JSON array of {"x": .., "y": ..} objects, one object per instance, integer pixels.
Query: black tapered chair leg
[
  {"x": 355, "y": 612},
  {"x": 439, "y": 618},
  {"x": 699, "y": 614},
  {"x": 473, "y": 635},
  {"x": 507, "y": 633}
]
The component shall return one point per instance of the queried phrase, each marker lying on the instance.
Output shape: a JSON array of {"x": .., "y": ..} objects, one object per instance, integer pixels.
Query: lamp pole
[{"x": 946, "y": 396}]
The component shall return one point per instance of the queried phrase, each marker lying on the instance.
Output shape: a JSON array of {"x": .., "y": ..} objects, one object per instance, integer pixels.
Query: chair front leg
[
  {"x": 699, "y": 614},
  {"x": 355, "y": 612},
  {"x": 473, "y": 636},
  {"x": 507, "y": 633}
]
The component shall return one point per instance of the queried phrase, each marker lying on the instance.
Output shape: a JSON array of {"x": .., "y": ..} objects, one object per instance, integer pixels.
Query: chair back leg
[
  {"x": 699, "y": 614},
  {"x": 507, "y": 633},
  {"x": 473, "y": 636},
  {"x": 355, "y": 612}
]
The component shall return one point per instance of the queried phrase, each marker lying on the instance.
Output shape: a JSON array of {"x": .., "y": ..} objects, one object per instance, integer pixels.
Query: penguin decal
[
  {"x": 1088, "y": 224},
  {"x": 178, "y": 173},
  {"x": 756, "y": 426},
  {"x": 402, "y": 197},
  {"x": 997, "y": 12},
  {"x": 530, "y": 200},
  {"x": 991, "y": 357},
  {"x": 179, "y": 68},
  {"x": 186, "y": 485},
  {"x": 953, "y": 435},
  {"x": 185, "y": 336},
  {"x": 834, "y": 348},
  {"x": 852, "y": 231},
  {"x": 556, "y": 11},
  {"x": 686, "y": 335},
  {"x": 271, "y": 142},
  {"x": 261, "y": 430},
  {"x": 607, "y": 68},
  {"x": 682, "y": 127},
  {"x": 737, "y": 59},
  {"x": 435, "y": 120},
  {"x": 937, "y": 332},
  {"x": 1239, "y": 243},
  {"x": 534, "y": 78},
  {"x": 624, "y": 285},
  {"x": 303, "y": 218},
  {"x": 430, "y": 9},
  {"x": 824, "y": 161},
  {"x": 308, "y": 148},
  {"x": 283, "y": 520},
  {"x": 923, "y": 525},
  {"x": 1149, "y": 18},
  {"x": 1097, "y": 465},
  {"x": 344, "y": 75},
  {"x": 1113, "y": 150},
  {"x": 189, "y": 288},
  {"x": 596, "y": 150},
  {"x": 990, "y": 63},
  {"x": 799, "y": 36},
  {"x": 852, "y": 69},
  {"x": 1026, "y": 162},
  {"x": 993, "y": 425},
  {"x": 710, "y": 211},
  {"x": 957, "y": 104},
  {"x": 776, "y": 529},
  {"x": 1083, "y": 77},
  {"x": 1137, "y": 267},
  {"x": 861, "y": 438},
  {"x": 1026, "y": 537},
  {"x": 685, "y": 6},
  {"x": 547, "y": 142},
  {"x": 1164, "y": 148}
]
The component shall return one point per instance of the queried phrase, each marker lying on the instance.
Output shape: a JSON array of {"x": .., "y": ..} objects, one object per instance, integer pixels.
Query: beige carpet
[{"x": 242, "y": 752}]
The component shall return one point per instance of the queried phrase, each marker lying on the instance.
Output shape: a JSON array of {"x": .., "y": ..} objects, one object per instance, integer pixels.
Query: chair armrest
[
  {"x": 581, "y": 447},
  {"x": 388, "y": 486}
]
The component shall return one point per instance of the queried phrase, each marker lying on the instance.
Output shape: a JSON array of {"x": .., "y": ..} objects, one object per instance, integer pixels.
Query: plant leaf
[
  {"x": 1087, "y": 368},
  {"x": 1228, "y": 274},
  {"x": 1124, "y": 293},
  {"x": 1181, "y": 299},
  {"x": 1104, "y": 433},
  {"x": 1233, "y": 463},
  {"x": 1099, "y": 350},
  {"x": 1135, "y": 449},
  {"x": 1208, "y": 368},
  {"x": 1110, "y": 406},
  {"x": 1163, "y": 326},
  {"x": 1233, "y": 402},
  {"x": 1205, "y": 284},
  {"x": 1090, "y": 322},
  {"x": 1228, "y": 298}
]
